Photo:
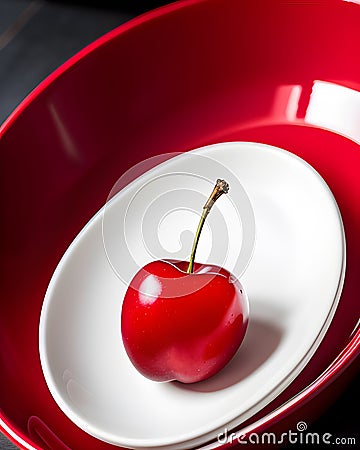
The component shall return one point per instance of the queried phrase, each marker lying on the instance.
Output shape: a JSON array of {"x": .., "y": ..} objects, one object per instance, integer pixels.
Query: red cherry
[{"x": 184, "y": 321}]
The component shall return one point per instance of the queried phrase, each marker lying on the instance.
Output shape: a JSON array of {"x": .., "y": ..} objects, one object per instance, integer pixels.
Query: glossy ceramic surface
[
  {"x": 204, "y": 72},
  {"x": 298, "y": 227}
]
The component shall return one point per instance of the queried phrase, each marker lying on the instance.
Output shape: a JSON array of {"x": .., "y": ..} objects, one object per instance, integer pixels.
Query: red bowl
[{"x": 189, "y": 74}]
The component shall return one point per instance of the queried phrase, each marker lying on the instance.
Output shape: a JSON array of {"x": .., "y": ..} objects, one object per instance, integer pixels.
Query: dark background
[{"x": 36, "y": 36}]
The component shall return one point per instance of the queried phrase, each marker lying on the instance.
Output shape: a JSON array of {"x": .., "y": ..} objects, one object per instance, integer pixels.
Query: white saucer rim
[{"x": 204, "y": 434}]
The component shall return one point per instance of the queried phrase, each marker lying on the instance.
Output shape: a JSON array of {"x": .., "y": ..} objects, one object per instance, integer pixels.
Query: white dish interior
[{"x": 293, "y": 281}]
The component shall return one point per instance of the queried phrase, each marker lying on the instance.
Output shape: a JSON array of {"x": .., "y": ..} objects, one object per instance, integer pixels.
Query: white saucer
[{"x": 293, "y": 281}]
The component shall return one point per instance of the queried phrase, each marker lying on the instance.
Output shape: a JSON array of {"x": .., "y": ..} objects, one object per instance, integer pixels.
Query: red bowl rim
[{"x": 72, "y": 61}]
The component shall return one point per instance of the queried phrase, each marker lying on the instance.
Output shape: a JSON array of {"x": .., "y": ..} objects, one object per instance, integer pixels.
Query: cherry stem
[{"x": 221, "y": 187}]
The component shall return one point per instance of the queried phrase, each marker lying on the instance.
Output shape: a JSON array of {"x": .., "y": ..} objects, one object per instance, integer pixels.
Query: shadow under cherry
[{"x": 261, "y": 340}]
